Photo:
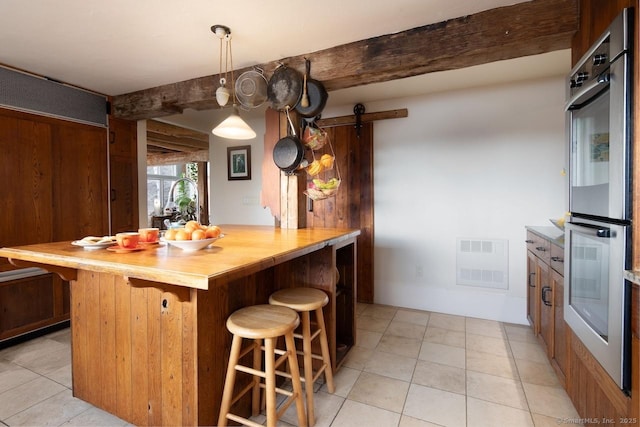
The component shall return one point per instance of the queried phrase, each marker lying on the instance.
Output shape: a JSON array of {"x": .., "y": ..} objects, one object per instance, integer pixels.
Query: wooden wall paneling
[
  {"x": 154, "y": 343},
  {"x": 352, "y": 206},
  {"x": 140, "y": 354},
  {"x": 92, "y": 344},
  {"x": 593, "y": 392},
  {"x": 595, "y": 16},
  {"x": 78, "y": 337},
  {"x": 189, "y": 365},
  {"x": 123, "y": 348},
  {"x": 270, "y": 191},
  {"x": 107, "y": 337},
  {"x": 635, "y": 352},
  {"x": 171, "y": 359},
  {"x": 212, "y": 308}
]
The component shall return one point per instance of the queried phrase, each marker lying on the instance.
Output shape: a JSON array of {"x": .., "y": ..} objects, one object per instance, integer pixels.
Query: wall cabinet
[{"x": 63, "y": 180}]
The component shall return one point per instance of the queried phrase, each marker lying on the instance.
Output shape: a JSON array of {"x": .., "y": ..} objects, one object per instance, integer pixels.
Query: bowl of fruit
[{"x": 193, "y": 237}]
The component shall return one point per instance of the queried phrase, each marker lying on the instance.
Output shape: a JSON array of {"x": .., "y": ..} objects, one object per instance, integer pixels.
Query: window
[{"x": 161, "y": 178}]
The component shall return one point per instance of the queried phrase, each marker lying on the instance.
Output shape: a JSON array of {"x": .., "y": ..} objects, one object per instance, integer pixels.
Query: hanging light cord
[
  {"x": 225, "y": 75},
  {"x": 230, "y": 53}
]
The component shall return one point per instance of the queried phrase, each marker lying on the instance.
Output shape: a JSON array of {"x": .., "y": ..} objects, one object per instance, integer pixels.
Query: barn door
[{"x": 352, "y": 206}]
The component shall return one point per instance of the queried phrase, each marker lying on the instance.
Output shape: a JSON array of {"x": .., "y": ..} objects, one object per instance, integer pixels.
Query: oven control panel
[{"x": 591, "y": 68}]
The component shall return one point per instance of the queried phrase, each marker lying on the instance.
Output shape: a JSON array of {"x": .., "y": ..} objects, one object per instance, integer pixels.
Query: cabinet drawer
[
  {"x": 539, "y": 246},
  {"x": 557, "y": 258}
]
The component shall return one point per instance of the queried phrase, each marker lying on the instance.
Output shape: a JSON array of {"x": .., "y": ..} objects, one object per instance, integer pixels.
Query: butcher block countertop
[{"x": 243, "y": 249}]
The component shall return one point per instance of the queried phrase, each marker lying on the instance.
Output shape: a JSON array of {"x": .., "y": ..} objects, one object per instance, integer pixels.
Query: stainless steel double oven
[{"x": 598, "y": 234}]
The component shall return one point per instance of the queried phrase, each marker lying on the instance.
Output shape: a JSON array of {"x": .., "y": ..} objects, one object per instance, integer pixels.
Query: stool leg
[
  {"x": 324, "y": 345},
  {"x": 308, "y": 365},
  {"x": 295, "y": 378},
  {"x": 257, "y": 365},
  {"x": 229, "y": 381},
  {"x": 270, "y": 381}
]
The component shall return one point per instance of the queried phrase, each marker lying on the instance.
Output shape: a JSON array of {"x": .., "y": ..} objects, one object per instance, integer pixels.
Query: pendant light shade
[{"x": 233, "y": 127}]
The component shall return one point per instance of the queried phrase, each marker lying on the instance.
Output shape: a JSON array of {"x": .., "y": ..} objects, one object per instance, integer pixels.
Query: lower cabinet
[
  {"x": 545, "y": 298},
  {"x": 32, "y": 303}
]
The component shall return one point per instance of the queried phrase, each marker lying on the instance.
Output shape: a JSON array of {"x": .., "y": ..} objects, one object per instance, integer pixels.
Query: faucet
[{"x": 171, "y": 201}]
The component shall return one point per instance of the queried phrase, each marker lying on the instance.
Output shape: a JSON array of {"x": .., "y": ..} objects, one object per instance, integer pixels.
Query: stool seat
[
  {"x": 262, "y": 321},
  {"x": 300, "y": 299}
]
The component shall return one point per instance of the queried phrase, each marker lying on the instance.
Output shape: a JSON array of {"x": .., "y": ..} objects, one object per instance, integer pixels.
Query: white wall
[
  {"x": 479, "y": 163},
  {"x": 237, "y": 202}
]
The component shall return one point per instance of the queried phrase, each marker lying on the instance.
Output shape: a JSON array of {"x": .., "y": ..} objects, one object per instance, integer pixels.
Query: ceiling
[{"x": 120, "y": 46}]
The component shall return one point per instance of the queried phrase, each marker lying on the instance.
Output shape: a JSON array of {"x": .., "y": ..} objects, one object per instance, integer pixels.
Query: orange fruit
[
  {"x": 213, "y": 231},
  {"x": 170, "y": 234},
  {"x": 183, "y": 234},
  {"x": 198, "y": 234},
  {"x": 192, "y": 225}
]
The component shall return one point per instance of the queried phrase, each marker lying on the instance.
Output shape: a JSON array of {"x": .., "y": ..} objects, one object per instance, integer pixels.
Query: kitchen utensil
[
  {"x": 288, "y": 153},
  {"x": 284, "y": 88},
  {"x": 304, "y": 102},
  {"x": 316, "y": 93},
  {"x": 251, "y": 89}
]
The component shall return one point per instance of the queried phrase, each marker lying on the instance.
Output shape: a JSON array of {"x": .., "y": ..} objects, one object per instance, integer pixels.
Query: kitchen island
[{"x": 149, "y": 342}]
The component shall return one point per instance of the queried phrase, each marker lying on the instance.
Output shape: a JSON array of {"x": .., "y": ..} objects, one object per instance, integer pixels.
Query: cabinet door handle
[
  {"x": 557, "y": 259},
  {"x": 541, "y": 248},
  {"x": 530, "y": 275},
  {"x": 528, "y": 241},
  {"x": 113, "y": 195},
  {"x": 546, "y": 289}
]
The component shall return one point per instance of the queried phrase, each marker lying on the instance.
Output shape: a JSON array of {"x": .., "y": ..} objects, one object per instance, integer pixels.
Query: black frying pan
[
  {"x": 284, "y": 88},
  {"x": 317, "y": 95},
  {"x": 288, "y": 153}
]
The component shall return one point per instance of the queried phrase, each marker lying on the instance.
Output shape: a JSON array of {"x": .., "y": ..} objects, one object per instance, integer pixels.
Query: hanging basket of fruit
[{"x": 324, "y": 173}]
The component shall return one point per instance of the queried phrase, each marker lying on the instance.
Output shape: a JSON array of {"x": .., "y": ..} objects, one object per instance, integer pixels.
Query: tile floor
[{"x": 409, "y": 368}]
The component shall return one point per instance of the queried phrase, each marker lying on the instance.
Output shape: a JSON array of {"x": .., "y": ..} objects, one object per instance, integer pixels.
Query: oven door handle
[
  {"x": 588, "y": 91},
  {"x": 594, "y": 231}
]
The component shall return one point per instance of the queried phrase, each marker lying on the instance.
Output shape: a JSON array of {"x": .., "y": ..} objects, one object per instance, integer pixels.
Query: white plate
[
  {"x": 92, "y": 246},
  {"x": 193, "y": 245}
]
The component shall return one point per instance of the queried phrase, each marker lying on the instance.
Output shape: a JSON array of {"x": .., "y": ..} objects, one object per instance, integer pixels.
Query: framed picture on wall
[{"x": 239, "y": 162}]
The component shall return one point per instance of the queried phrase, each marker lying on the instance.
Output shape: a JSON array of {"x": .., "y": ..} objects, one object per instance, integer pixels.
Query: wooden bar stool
[
  {"x": 262, "y": 323},
  {"x": 304, "y": 301}
]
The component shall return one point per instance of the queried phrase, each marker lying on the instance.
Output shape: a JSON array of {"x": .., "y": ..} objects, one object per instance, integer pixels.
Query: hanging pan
[
  {"x": 284, "y": 88},
  {"x": 251, "y": 89},
  {"x": 288, "y": 153},
  {"x": 314, "y": 93}
]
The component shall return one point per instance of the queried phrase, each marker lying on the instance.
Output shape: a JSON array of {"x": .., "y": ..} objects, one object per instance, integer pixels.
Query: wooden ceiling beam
[
  {"x": 523, "y": 29},
  {"x": 175, "y": 131},
  {"x": 158, "y": 159},
  {"x": 178, "y": 141}
]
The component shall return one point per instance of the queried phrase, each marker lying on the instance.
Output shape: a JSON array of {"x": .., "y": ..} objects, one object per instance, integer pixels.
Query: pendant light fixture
[{"x": 233, "y": 127}]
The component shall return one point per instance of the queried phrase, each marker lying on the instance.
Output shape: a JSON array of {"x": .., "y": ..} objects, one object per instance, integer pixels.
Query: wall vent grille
[
  {"x": 32, "y": 94},
  {"x": 483, "y": 263}
]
